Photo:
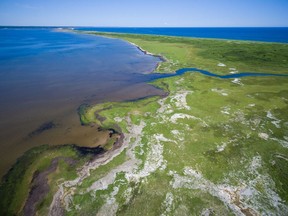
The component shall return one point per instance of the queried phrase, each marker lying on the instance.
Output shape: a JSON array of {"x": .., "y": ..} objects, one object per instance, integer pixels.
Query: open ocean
[{"x": 276, "y": 34}]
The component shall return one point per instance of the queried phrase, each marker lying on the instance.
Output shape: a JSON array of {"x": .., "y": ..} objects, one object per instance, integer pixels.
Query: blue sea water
[{"x": 276, "y": 34}]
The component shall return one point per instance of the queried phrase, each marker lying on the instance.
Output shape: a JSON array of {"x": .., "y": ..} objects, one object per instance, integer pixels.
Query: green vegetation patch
[
  {"x": 16, "y": 184},
  {"x": 217, "y": 56},
  {"x": 210, "y": 136},
  {"x": 233, "y": 133}
]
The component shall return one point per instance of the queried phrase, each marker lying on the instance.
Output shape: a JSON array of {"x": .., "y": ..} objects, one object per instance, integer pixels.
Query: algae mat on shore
[{"x": 211, "y": 147}]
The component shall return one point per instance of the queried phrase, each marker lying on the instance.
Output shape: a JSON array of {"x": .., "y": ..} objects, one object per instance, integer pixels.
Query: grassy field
[
  {"x": 223, "y": 142},
  {"x": 215, "y": 146},
  {"x": 211, "y": 147}
]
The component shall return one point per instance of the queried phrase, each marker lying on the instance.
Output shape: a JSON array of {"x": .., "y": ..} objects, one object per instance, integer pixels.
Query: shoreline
[
  {"x": 134, "y": 131},
  {"x": 162, "y": 58},
  {"x": 180, "y": 70},
  {"x": 207, "y": 54},
  {"x": 56, "y": 110},
  {"x": 180, "y": 37}
]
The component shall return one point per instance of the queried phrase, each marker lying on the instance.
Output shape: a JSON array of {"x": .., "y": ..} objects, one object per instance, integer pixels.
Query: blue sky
[{"x": 145, "y": 13}]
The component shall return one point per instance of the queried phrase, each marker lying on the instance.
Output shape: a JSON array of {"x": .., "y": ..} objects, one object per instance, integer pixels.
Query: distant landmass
[{"x": 272, "y": 34}]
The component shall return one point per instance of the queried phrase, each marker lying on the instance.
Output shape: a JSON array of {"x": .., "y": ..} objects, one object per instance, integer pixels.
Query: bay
[{"x": 47, "y": 73}]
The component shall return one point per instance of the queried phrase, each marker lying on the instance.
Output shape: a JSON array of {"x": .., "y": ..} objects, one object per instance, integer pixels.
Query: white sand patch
[
  {"x": 160, "y": 137},
  {"x": 175, "y": 132},
  {"x": 255, "y": 123},
  {"x": 103, "y": 183},
  {"x": 222, "y": 147},
  {"x": 273, "y": 204},
  {"x": 168, "y": 204},
  {"x": 220, "y": 91},
  {"x": 264, "y": 136},
  {"x": 118, "y": 119},
  {"x": 194, "y": 180},
  {"x": 255, "y": 164},
  {"x": 245, "y": 196},
  {"x": 207, "y": 212},
  {"x": 283, "y": 143},
  {"x": 178, "y": 135},
  {"x": 154, "y": 161},
  {"x": 179, "y": 100},
  {"x": 233, "y": 71},
  {"x": 111, "y": 206},
  {"x": 281, "y": 157},
  {"x": 225, "y": 110},
  {"x": 142, "y": 50},
  {"x": 128, "y": 195},
  {"x": 221, "y": 65},
  {"x": 274, "y": 121},
  {"x": 237, "y": 81},
  {"x": 175, "y": 117},
  {"x": 240, "y": 117},
  {"x": 164, "y": 108}
]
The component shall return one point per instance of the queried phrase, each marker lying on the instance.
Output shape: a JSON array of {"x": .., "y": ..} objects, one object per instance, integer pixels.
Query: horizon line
[{"x": 88, "y": 26}]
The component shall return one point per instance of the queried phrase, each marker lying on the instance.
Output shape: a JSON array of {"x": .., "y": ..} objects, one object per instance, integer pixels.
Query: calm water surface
[{"x": 46, "y": 74}]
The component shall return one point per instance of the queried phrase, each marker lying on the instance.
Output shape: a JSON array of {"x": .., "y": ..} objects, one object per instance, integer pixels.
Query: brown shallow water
[{"x": 50, "y": 85}]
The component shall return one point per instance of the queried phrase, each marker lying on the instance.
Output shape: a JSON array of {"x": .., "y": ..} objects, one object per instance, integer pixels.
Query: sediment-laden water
[{"x": 46, "y": 74}]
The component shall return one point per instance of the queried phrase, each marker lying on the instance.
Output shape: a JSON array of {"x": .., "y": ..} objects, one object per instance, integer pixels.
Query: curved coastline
[
  {"x": 207, "y": 54},
  {"x": 204, "y": 72},
  {"x": 162, "y": 58},
  {"x": 118, "y": 147},
  {"x": 70, "y": 184},
  {"x": 204, "y": 35},
  {"x": 184, "y": 70}
]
